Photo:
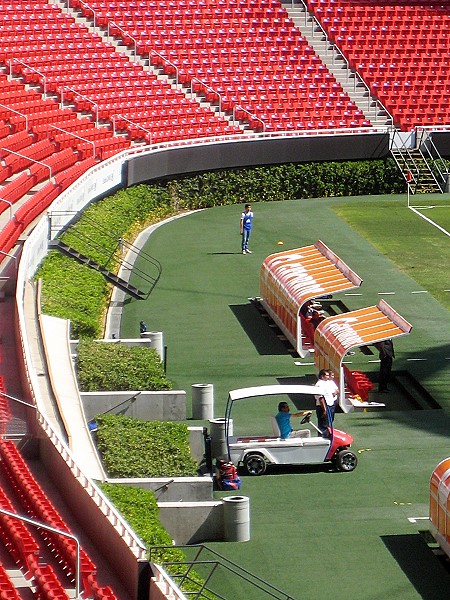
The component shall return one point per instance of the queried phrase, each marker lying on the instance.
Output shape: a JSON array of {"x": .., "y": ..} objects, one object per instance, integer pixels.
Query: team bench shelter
[{"x": 292, "y": 280}]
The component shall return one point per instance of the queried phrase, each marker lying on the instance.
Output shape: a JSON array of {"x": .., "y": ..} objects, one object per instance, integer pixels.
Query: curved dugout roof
[
  {"x": 289, "y": 279},
  {"x": 336, "y": 335}
]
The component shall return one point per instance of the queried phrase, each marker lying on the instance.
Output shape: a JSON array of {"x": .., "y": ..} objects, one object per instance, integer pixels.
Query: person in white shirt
[{"x": 326, "y": 400}]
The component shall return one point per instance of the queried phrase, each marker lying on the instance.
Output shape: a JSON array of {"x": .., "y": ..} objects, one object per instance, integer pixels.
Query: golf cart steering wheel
[{"x": 306, "y": 419}]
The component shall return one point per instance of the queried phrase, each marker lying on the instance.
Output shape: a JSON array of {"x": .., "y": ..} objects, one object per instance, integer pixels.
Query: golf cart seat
[{"x": 299, "y": 433}]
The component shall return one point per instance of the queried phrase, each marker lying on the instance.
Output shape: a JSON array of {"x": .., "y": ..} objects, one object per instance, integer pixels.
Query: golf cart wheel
[
  {"x": 255, "y": 464},
  {"x": 346, "y": 460}
]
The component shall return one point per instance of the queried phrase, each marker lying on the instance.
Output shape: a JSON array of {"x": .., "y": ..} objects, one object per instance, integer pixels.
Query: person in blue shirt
[
  {"x": 283, "y": 419},
  {"x": 246, "y": 227}
]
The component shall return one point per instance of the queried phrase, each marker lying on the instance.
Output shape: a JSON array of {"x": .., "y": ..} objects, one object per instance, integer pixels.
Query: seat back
[{"x": 275, "y": 428}]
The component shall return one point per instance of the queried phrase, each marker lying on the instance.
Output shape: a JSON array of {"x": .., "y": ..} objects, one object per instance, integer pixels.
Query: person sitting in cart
[{"x": 283, "y": 419}]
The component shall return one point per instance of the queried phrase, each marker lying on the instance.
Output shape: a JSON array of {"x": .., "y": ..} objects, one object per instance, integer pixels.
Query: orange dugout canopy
[
  {"x": 289, "y": 279},
  {"x": 337, "y": 335}
]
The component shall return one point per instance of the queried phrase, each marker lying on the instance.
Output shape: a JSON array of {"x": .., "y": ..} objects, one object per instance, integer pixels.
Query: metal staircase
[
  {"x": 108, "y": 275},
  {"x": 423, "y": 168},
  {"x": 111, "y": 255}
]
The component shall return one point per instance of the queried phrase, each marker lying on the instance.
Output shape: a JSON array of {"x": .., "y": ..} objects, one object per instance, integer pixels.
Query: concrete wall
[
  {"x": 196, "y": 443},
  {"x": 193, "y": 522},
  {"x": 174, "y": 489},
  {"x": 169, "y": 405}
]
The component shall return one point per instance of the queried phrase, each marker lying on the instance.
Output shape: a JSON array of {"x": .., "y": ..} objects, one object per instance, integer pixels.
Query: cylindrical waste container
[
  {"x": 218, "y": 438},
  {"x": 236, "y": 518},
  {"x": 156, "y": 341},
  {"x": 203, "y": 401}
]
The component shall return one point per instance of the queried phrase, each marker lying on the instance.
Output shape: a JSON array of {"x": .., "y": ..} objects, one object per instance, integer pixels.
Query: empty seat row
[
  {"x": 392, "y": 44},
  {"x": 38, "y": 504},
  {"x": 64, "y": 71}
]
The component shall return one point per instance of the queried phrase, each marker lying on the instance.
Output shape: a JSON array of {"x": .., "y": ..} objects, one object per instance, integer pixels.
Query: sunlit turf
[{"x": 418, "y": 248}]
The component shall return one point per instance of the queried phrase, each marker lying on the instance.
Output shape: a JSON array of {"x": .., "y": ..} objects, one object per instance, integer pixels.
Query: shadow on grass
[
  {"x": 277, "y": 470},
  {"x": 257, "y": 328},
  {"x": 417, "y": 561}
]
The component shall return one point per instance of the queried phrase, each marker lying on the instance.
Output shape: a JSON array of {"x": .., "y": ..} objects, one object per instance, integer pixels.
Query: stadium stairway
[
  {"x": 333, "y": 58},
  {"x": 250, "y": 61},
  {"x": 400, "y": 50}
]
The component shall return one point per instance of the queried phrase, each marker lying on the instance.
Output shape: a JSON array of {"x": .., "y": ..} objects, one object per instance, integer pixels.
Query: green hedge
[
  {"x": 74, "y": 291},
  {"x": 136, "y": 448},
  {"x": 109, "y": 366},
  {"x": 287, "y": 182},
  {"x": 140, "y": 510}
]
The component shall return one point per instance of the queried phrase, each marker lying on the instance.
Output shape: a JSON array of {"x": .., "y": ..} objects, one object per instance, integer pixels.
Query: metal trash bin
[
  {"x": 203, "y": 401},
  {"x": 236, "y": 518}
]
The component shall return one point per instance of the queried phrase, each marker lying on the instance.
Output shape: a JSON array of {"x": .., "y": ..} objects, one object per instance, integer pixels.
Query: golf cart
[{"x": 255, "y": 452}]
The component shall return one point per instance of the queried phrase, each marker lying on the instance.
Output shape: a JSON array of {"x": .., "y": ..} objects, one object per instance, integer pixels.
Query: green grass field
[{"x": 315, "y": 533}]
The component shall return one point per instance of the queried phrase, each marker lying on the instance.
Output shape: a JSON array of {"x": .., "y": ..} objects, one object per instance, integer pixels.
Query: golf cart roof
[{"x": 270, "y": 390}]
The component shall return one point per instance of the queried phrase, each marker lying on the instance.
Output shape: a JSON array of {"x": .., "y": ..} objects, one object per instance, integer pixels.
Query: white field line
[{"x": 444, "y": 231}]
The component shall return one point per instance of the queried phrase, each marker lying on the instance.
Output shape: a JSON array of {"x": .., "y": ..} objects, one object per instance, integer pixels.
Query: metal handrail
[
  {"x": 17, "y": 113},
  {"x": 426, "y": 141},
  {"x": 336, "y": 50},
  {"x": 114, "y": 117},
  {"x": 33, "y": 160},
  {"x": 89, "y": 8},
  {"x": 111, "y": 23},
  {"x": 66, "y": 87},
  {"x": 208, "y": 87},
  {"x": 236, "y": 108},
  {"x": 74, "y": 135},
  {"x": 166, "y": 60},
  {"x": 218, "y": 561},
  {"x": 10, "y": 76},
  {"x": 40, "y": 525},
  {"x": 10, "y": 207},
  {"x": 144, "y": 274}
]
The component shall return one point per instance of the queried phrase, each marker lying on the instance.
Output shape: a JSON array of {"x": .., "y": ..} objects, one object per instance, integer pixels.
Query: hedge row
[
  {"x": 140, "y": 510},
  {"x": 137, "y": 448},
  {"x": 109, "y": 366}
]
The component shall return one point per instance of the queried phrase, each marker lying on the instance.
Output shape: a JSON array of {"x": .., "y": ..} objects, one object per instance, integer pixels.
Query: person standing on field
[
  {"x": 387, "y": 355},
  {"x": 246, "y": 225}
]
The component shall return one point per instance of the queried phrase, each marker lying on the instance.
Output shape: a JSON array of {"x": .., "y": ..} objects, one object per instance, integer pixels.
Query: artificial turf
[{"x": 315, "y": 533}]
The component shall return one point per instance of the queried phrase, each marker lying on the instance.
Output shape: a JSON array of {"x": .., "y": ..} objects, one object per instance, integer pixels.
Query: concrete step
[{"x": 337, "y": 65}]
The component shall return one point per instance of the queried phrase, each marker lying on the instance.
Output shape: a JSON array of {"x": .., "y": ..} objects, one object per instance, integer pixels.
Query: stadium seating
[
  {"x": 5, "y": 412},
  {"x": 7, "y": 589},
  {"x": 236, "y": 54},
  {"x": 39, "y": 507},
  {"x": 400, "y": 50},
  {"x": 357, "y": 383},
  {"x": 74, "y": 63}
]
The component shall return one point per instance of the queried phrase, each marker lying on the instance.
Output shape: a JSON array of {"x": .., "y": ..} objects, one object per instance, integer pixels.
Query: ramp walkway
[{"x": 56, "y": 340}]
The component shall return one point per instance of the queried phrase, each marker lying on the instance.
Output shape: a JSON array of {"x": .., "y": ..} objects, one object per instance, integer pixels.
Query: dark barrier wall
[
  {"x": 441, "y": 139},
  {"x": 256, "y": 152}
]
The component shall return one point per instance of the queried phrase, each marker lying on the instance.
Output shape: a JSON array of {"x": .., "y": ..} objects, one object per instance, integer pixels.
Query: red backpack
[{"x": 228, "y": 478}]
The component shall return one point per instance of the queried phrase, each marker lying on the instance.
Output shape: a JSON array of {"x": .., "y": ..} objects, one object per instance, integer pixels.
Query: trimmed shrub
[
  {"x": 107, "y": 366},
  {"x": 140, "y": 510},
  {"x": 136, "y": 448}
]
